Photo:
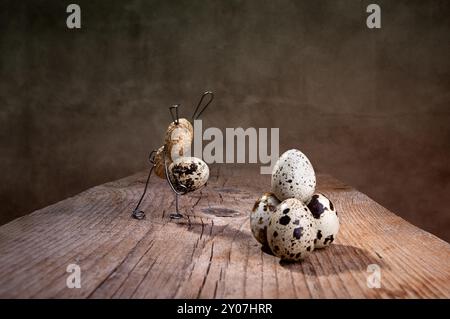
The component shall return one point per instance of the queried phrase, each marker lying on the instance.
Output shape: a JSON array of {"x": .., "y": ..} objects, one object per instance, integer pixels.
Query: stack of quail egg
[
  {"x": 292, "y": 220},
  {"x": 186, "y": 173}
]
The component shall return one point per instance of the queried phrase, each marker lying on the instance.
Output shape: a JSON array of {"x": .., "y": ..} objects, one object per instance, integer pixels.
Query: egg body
[
  {"x": 260, "y": 216},
  {"x": 188, "y": 174},
  {"x": 291, "y": 231},
  {"x": 160, "y": 170},
  {"x": 178, "y": 138},
  {"x": 293, "y": 176},
  {"x": 327, "y": 220}
]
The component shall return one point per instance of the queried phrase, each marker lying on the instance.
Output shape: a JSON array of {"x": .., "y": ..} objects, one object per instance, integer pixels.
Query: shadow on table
[{"x": 336, "y": 259}]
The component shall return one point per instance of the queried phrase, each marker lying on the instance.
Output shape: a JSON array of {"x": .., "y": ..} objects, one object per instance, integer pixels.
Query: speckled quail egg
[
  {"x": 178, "y": 138},
  {"x": 160, "y": 169},
  {"x": 260, "y": 215},
  {"x": 292, "y": 230},
  {"x": 188, "y": 174},
  {"x": 327, "y": 220},
  {"x": 293, "y": 176}
]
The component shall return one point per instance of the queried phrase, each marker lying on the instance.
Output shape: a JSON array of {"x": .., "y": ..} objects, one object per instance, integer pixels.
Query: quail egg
[
  {"x": 260, "y": 215},
  {"x": 327, "y": 220},
  {"x": 178, "y": 138},
  {"x": 293, "y": 176},
  {"x": 292, "y": 230},
  {"x": 160, "y": 169},
  {"x": 188, "y": 174}
]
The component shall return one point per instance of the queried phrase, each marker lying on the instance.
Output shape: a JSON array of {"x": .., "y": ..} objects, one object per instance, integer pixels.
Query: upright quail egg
[
  {"x": 327, "y": 220},
  {"x": 293, "y": 176},
  {"x": 292, "y": 230},
  {"x": 178, "y": 138},
  {"x": 260, "y": 216},
  {"x": 188, "y": 174}
]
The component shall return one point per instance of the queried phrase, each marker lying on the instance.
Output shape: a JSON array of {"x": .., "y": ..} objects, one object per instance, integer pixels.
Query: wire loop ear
[{"x": 198, "y": 112}]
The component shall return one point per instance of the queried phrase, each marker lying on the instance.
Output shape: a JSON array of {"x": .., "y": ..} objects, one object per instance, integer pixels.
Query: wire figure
[{"x": 140, "y": 214}]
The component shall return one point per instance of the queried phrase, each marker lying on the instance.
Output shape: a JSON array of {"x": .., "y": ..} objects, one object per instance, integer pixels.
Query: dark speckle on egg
[
  {"x": 285, "y": 220},
  {"x": 319, "y": 235},
  {"x": 329, "y": 239},
  {"x": 298, "y": 232},
  {"x": 316, "y": 207}
]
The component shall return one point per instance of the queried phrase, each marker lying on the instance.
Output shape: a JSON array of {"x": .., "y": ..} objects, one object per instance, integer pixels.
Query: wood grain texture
[{"x": 212, "y": 253}]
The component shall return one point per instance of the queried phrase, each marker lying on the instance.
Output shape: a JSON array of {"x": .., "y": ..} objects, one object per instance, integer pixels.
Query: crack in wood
[
  {"x": 203, "y": 228},
  {"x": 133, "y": 250},
  {"x": 144, "y": 277},
  {"x": 198, "y": 200},
  {"x": 131, "y": 270},
  {"x": 207, "y": 271}
]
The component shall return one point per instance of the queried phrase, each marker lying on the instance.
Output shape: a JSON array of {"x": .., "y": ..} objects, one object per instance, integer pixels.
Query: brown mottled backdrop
[{"x": 372, "y": 107}]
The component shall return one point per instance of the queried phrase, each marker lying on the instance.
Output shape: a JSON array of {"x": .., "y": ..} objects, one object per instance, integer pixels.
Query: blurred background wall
[{"x": 371, "y": 107}]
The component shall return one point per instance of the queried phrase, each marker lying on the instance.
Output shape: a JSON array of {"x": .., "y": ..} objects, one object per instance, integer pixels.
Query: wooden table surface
[{"x": 212, "y": 254}]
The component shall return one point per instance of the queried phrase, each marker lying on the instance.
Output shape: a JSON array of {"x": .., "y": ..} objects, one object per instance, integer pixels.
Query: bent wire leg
[
  {"x": 137, "y": 213},
  {"x": 176, "y": 214}
]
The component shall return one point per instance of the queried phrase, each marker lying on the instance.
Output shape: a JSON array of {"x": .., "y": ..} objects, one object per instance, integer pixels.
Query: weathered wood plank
[{"x": 212, "y": 253}]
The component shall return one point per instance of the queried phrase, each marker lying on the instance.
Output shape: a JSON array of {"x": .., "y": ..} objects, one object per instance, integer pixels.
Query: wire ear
[
  {"x": 174, "y": 113},
  {"x": 198, "y": 112}
]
